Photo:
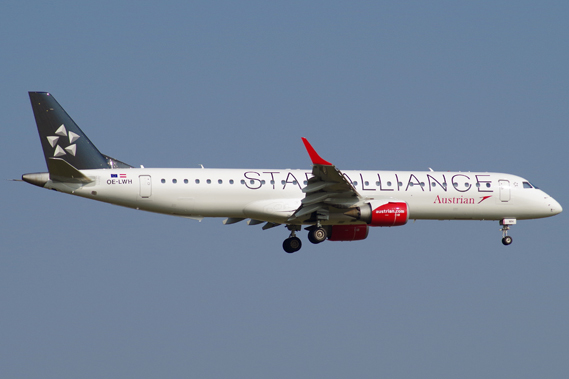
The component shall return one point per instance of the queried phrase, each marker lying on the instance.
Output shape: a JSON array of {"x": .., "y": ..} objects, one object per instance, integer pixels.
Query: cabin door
[
  {"x": 145, "y": 186},
  {"x": 505, "y": 194}
]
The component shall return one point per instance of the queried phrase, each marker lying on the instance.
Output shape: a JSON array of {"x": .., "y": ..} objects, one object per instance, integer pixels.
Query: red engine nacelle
[
  {"x": 389, "y": 214},
  {"x": 348, "y": 232}
]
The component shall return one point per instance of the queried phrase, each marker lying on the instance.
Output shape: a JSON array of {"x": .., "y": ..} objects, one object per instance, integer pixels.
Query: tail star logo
[{"x": 71, "y": 148}]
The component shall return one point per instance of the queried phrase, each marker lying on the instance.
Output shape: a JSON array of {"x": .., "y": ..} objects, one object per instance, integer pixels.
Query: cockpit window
[
  {"x": 527, "y": 185},
  {"x": 534, "y": 186}
]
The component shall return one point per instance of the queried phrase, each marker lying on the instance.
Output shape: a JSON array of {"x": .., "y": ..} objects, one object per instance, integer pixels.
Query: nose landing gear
[{"x": 506, "y": 239}]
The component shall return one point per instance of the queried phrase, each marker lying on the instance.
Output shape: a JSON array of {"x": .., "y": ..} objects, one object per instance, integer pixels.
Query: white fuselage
[{"x": 274, "y": 195}]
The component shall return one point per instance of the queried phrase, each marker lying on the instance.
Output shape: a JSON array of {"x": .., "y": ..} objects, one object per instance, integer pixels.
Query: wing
[{"x": 327, "y": 191}]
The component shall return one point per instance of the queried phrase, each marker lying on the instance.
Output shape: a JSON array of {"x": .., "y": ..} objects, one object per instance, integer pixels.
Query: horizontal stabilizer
[{"x": 61, "y": 171}]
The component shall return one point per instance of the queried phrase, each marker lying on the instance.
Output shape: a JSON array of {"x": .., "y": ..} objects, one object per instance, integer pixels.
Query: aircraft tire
[
  {"x": 507, "y": 240},
  {"x": 292, "y": 245},
  {"x": 317, "y": 235}
]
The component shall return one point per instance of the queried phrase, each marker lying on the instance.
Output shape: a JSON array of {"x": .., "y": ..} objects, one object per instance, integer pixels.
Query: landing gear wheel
[
  {"x": 292, "y": 244},
  {"x": 317, "y": 235},
  {"x": 506, "y": 222}
]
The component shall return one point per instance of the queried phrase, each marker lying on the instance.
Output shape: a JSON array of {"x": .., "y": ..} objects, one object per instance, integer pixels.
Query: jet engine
[{"x": 386, "y": 214}]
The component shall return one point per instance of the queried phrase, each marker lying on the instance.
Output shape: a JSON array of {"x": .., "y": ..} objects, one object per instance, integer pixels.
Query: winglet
[{"x": 316, "y": 159}]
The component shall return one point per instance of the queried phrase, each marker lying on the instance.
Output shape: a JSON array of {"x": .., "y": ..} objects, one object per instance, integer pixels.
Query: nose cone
[{"x": 554, "y": 206}]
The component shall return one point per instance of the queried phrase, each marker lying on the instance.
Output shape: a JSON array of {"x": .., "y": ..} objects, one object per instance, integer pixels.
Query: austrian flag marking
[{"x": 119, "y": 179}]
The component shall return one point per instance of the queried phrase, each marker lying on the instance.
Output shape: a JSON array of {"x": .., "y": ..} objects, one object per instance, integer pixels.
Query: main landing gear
[
  {"x": 292, "y": 244},
  {"x": 316, "y": 234},
  {"x": 506, "y": 239}
]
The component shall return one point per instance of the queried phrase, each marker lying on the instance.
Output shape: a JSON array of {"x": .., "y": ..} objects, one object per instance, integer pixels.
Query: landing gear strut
[
  {"x": 292, "y": 244},
  {"x": 506, "y": 239}
]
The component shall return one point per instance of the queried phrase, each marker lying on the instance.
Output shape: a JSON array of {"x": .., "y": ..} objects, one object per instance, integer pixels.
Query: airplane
[{"x": 334, "y": 205}]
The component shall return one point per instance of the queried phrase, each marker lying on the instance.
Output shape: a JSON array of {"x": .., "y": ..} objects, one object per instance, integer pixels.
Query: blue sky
[{"x": 92, "y": 290}]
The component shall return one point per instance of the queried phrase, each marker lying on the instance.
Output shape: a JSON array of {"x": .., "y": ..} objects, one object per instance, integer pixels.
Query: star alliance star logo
[{"x": 62, "y": 132}]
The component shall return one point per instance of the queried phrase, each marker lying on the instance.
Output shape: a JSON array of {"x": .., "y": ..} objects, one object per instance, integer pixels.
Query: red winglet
[{"x": 316, "y": 159}]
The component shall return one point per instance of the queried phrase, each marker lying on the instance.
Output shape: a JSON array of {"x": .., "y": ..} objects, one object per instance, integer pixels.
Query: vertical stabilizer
[{"x": 61, "y": 138}]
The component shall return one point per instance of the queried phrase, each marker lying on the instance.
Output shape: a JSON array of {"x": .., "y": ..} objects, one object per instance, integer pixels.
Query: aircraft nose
[{"x": 554, "y": 206}]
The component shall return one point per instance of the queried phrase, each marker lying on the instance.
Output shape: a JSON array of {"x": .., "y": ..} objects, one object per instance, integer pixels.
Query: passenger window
[
  {"x": 208, "y": 181},
  {"x": 163, "y": 181},
  {"x": 174, "y": 181},
  {"x": 185, "y": 181},
  {"x": 231, "y": 181},
  {"x": 197, "y": 181},
  {"x": 220, "y": 181}
]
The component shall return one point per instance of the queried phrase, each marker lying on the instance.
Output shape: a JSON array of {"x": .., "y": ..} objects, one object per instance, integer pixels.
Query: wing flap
[
  {"x": 316, "y": 186},
  {"x": 304, "y": 210},
  {"x": 316, "y": 198}
]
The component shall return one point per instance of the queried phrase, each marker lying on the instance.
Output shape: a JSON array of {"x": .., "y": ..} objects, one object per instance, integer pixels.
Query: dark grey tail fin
[{"x": 61, "y": 138}]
